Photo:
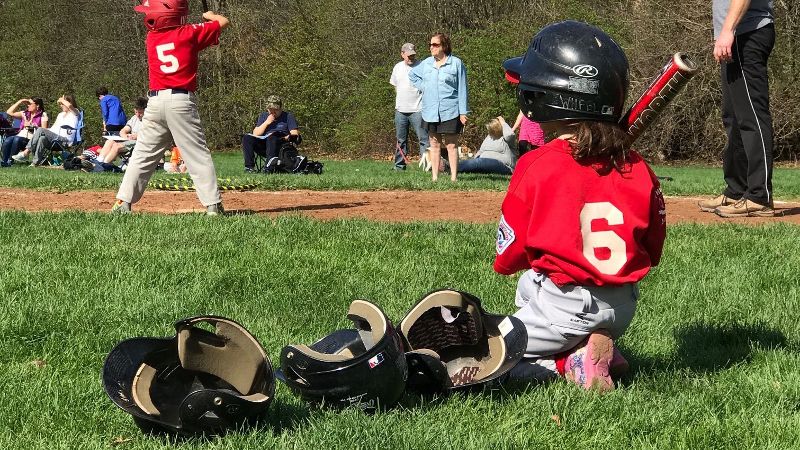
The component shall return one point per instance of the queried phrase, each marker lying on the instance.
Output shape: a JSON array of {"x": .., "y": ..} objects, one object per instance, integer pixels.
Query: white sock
[{"x": 100, "y": 159}]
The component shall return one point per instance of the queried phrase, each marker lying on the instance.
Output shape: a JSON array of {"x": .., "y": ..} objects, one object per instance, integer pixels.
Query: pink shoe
[{"x": 588, "y": 365}]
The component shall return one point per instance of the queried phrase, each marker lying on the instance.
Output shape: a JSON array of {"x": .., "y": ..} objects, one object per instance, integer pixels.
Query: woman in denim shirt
[{"x": 442, "y": 78}]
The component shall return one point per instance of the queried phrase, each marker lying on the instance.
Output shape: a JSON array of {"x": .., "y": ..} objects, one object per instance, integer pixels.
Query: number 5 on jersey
[{"x": 171, "y": 63}]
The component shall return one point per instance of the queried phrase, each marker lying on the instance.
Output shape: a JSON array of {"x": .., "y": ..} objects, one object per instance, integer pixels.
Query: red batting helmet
[{"x": 163, "y": 14}]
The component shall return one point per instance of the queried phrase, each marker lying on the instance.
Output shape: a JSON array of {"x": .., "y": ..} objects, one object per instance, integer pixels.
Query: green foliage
[
  {"x": 714, "y": 357},
  {"x": 331, "y": 61}
]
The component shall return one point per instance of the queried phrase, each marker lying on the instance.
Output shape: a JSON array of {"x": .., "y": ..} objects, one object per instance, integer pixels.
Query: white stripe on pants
[
  {"x": 558, "y": 319},
  {"x": 171, "y": 118}
]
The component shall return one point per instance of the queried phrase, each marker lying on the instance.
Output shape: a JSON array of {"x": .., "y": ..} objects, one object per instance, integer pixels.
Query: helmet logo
[{"x": 585, "y": 70}]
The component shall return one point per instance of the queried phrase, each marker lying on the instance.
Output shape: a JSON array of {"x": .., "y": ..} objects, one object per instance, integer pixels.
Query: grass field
[
  {"x": 375, "y": 175},
  {"x": 713, "y": 348}
]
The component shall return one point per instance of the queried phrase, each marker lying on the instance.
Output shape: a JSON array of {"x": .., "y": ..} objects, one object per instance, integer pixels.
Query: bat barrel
[{"x": 675, "y": 74}]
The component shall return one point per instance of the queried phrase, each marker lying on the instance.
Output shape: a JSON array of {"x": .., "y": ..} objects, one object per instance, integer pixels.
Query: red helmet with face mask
[{"x": 163, "y": 14}]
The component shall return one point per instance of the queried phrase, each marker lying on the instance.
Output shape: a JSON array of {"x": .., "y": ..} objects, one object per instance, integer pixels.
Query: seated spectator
[
  {"x": 272, "y": 129},
  {"x": 497, "y": 153},
  {"x": 531, "y": 135},
  {"x": 111, "y": 109},
  {"x": 113, "y": 148},
  {"x": 31, "y": 118},
  {"x": 43, "y": 138},
  {"x": 176, "y": 163}
]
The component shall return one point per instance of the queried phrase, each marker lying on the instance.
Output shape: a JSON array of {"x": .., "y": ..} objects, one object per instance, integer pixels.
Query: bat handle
[{"x": 205, "y": 6}]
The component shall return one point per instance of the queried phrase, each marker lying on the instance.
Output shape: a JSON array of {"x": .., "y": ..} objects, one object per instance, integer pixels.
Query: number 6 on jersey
[{"x": 610, "y": 240}]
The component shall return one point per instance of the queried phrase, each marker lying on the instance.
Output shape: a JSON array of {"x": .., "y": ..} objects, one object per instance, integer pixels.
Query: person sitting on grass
[
  {"x": 176, "y": 163},
  {"x": 273, "y": 128},
  {"x": 498, "y": 152}
]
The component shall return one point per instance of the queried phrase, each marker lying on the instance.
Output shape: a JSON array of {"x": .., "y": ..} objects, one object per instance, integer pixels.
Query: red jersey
[
  {"x": 172, "y": 54},
  {"x": 578, "y": 226}
]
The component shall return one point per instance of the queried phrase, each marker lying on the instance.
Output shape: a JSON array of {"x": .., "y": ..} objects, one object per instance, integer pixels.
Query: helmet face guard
[
  {"x": 196, "y": 382},
  {"x": 362, "y": 367},
  {"x": 454, "y": 343},
  {"x": 163, "y": 14},
  {"x": 571, "y": 71}
]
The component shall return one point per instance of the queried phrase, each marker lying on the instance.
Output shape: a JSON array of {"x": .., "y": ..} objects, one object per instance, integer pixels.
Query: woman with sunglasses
[
  {"x": 31, "y": 118},
  {"x": 442, "y": 78}
]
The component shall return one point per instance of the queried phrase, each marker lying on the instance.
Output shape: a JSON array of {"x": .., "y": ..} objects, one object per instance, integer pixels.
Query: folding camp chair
[{"x": 59, "y": 149}]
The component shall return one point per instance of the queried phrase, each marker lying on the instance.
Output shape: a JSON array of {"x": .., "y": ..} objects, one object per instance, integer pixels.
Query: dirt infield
[{"x": 387, "y": 206}]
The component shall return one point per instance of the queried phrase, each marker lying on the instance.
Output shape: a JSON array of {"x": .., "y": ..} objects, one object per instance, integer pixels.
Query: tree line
[{"x": 331, "y": 59}]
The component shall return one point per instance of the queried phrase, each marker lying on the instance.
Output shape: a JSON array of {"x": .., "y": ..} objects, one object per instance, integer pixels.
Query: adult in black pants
[
  {"x": 273, "y": 128},
  {"x": 745, "y": 35}
]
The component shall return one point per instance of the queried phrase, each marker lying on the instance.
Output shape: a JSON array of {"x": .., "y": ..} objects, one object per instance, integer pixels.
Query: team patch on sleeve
[{"x": 505, "y": 235}]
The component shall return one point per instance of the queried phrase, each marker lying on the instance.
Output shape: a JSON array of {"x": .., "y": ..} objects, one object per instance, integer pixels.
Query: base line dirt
[{"x": 383, "y": 206}]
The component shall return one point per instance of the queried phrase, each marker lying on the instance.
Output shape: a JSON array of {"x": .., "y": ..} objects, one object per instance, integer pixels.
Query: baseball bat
[
  {"x": 675, "y": 74},
  {"x": 205, "y": 5}
]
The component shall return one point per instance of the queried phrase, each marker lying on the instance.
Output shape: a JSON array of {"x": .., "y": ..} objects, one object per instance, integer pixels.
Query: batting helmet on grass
[
  {"x": 163, "y": 14},
  {"x": 571, "y": 71},
  {"x": 454, "y": 343},
  {"x": 196, "y": 382},
  {"x": 362, "y": 367}
]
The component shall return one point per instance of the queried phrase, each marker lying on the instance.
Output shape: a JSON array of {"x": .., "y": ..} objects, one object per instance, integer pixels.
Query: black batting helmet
[
  {"x": 196, "y": 382},
  {"x": 454, "y": 343},
  {"x": 571, "y": 71},
  {"x": 362, "y": 367}
]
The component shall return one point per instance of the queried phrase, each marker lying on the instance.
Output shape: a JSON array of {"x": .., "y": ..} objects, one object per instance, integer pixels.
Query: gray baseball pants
[
  {"x": 171, "y": 118},
  {"x": 559, "y": 318}
]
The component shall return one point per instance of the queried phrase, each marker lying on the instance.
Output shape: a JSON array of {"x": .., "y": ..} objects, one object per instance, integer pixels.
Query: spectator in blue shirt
[
  {"x": 113, "y": 114},
  {"x": 273, "y": 128},
  {"x": 442, "y": 78}
]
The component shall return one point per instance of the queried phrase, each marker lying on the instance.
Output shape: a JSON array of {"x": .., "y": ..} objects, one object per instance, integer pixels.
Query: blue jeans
[
  {"x": 483, "y": 165},
  {"x": 11, "y": 146},
  {"x": 401, "y": 121}
]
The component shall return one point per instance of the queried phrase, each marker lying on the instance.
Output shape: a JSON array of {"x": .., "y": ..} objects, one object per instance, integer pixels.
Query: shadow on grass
[
  {"x": 318, "y": 207},
  {"x": 787, "y": 212},
  {"x": 711, "y": 348}
]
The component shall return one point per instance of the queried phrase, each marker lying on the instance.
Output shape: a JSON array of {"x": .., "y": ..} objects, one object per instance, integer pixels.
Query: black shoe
[
  {"x": 249, "y": 170},
  {"x": 399, "y": 168}
]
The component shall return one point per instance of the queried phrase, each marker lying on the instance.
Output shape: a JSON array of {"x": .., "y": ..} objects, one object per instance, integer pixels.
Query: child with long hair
[{"x": 584, "y": 215}]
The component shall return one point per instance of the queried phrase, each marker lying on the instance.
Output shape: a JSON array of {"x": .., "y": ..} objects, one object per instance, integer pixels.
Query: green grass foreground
[
  {"x": 370, "y": 175},
  {"x": 713, "y": 347}
]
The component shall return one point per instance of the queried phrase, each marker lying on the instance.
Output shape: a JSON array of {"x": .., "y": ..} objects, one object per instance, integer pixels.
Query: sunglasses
[{"x": 434, "y": 44}]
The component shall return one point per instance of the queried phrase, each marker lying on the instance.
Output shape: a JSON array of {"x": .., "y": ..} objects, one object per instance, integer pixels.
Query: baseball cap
[
  {"x": 408, "y": 49},
  {"x": 273, "y": 101}
]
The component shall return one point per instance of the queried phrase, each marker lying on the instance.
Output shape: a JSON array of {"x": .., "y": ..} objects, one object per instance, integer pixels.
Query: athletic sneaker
[
  {"x": 215, "y": 210},
  {"x": 716, "y": 202},
  {"x": 588, "y": 364},
  {"x": 121, "y": 207},
  {"x": 745, "y": 208},
  {"x": 249, "y": 170},
  {"x": 19, "y": 157}
]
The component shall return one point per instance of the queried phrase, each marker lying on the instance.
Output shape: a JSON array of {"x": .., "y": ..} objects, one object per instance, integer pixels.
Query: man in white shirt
[{"x": 407, "y": 107}]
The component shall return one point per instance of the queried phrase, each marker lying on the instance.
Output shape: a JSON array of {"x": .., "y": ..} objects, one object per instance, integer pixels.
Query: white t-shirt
[
  {"x": 134, "y": 123},
  {"x": 65, "y": 118},
  {"x": 409, "y": 98}
]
